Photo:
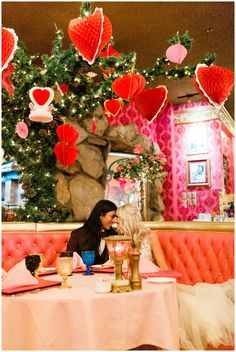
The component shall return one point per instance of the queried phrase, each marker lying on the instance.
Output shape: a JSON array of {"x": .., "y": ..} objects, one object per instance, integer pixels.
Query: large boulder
[{"x": 85, "y": 193}]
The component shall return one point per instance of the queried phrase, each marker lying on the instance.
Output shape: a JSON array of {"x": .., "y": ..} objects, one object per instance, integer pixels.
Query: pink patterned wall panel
[
  {"x": 172, "y": 140},
  {"x": 129, "y": 115},
  {"x": 228, "y": 151}
]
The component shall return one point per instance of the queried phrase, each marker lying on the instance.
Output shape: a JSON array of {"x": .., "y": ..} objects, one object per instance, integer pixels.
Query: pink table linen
[{"x": 81, "y": 319}]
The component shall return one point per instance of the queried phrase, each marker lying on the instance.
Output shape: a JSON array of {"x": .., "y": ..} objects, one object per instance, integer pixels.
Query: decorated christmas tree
[{"x": 90, "y": 73}]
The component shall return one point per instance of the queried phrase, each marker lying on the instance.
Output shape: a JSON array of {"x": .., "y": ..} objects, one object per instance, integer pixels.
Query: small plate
[{"x": 161, "y": 280}]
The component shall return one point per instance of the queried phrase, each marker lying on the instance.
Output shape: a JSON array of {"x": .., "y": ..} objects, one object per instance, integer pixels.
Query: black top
[{"x": 80, "y": 240}]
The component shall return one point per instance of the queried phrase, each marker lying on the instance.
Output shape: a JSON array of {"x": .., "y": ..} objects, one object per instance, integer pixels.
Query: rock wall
[{"x": 80, "y": 186}]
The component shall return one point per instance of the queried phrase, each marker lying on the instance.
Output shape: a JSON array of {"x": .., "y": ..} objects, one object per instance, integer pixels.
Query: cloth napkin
[
  {"x": 18, "y": 276},
  {"x": 77, "y": 261}
]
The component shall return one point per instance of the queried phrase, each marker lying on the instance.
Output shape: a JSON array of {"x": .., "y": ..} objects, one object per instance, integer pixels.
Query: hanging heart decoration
[
  {"x": 66, "y": 155},
  {"x": 110, "y": 51},
  {"x": 9, "y": 46},
  {"x": 65, "y": 150},
  {"x": 214, "y": 83},
  {"x": 90, "y": 35},
  {"x": 176, "y": 53},
  {"x": 63, "y": 88},
  {"x": 67, "y": 134},
  {"x": 40, "y": 106},
  {"x": 112, "y": 107},
  {"x": 125, "y": 86},
  {"x": 141, "y": 83},
  {"x": 41, "y": 96},
  {"x": 22, "y": 129},
  {"x": 6, "y": 81},
  {"x": 151, "y": 103}
]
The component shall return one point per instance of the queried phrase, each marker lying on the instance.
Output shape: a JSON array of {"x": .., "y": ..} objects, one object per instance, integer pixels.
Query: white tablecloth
[{"x": 81, "y": 319}]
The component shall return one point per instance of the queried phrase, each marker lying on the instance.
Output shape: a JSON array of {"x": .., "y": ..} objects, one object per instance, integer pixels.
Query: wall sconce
[
  {"x": 189, "y": 199},
  {"x": 118, "y": 248}
]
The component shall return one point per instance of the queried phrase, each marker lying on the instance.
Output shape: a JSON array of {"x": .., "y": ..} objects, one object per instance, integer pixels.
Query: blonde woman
[
  {"x": 206, "y": 311},
  {"x": 130, "y": 225}
]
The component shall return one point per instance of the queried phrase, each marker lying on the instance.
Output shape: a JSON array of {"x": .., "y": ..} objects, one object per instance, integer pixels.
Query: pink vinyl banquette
[{"x": 201, "y": 252}]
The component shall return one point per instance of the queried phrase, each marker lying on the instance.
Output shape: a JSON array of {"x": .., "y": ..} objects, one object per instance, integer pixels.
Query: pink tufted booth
[
  {"x": 16, "y": 245},
  {"x": 201, "y": 256}
]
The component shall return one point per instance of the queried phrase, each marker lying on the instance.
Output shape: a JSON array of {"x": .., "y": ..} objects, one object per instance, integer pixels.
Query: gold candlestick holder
[{"x": 118, "y": 248}]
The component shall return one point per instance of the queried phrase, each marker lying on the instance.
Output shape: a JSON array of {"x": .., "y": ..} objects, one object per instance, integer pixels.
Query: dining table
[{"x": 79, "y": 318}]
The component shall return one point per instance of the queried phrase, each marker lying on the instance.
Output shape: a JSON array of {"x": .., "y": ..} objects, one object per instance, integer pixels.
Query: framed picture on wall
[
  {"x": 198, "y": 172},
  {"x": 197, "y": 141}
]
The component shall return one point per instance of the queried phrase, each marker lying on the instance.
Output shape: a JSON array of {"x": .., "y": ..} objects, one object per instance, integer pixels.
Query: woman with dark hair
[{"x": 90, "y": 236}]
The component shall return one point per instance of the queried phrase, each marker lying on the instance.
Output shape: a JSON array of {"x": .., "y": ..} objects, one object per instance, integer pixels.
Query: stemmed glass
[
  {"x": 88, "y": 259},
  {"x": 33, "y": 263},
  {"x": 64, "y": 269}
]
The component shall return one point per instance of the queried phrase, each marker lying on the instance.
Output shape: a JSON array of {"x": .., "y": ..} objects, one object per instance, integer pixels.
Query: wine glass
[
  {"x": 88, "y": 259},
  {"x": 33, "y": 263},
  {"x": 64, "y": 269}
]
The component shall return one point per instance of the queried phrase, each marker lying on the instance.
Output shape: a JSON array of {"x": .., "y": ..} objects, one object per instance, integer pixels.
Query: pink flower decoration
[
  {"x": 176, "y": 53},
  {"x": 136, "y": 160},
  {"x": 122, "y": 183},
  {"x": 22, "y": 129},
  {"x": 118, "y": 168},
  {"x": 138, "y": 149},
  {"x": 160, "y": 156},
  {"x": 129, "y": 166}
]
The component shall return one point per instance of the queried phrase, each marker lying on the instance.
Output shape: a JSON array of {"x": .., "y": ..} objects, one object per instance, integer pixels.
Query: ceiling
[{"x": 143, "y": 27}]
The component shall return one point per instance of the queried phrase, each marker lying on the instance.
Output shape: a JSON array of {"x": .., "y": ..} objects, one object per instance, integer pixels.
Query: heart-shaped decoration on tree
[
  {"x": 141, "y": 84},
  {"x": 214, "y": 83},
  {"x": 91, "y": 34},
  {"x": 67, "y": 134},
  {"x": 176, "y": 53},
  {"x": 9, "y": 46},
  {"x": 151, "y": 103},
  {"x": 41, "y": 96},
  {"x": 112, "y": 106},
  {"x": 65, "y": 154},
  {"x": 125, "y": 86},
  {"x": 63, "y": 88}
]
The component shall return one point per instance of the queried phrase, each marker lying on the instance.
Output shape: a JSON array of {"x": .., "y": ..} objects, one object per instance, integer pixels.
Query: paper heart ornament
[
  {"x": 67, "y": 134},
  {"x": 176, "y": 53},
  {"x": 151, "y": 103},
  {"x": 112, "y": 106},
  {"x": 65, "y": 154},
  {"x": 22, "y": 129},
  {"x": 90, "y": 35},
  {"x": 125, "y": 86},
  {"x": 9, "y": 46},
  {"x": 141, "y": 81},
  {"x": 63, "y": 88},
  {"x": 40, "y": 108},
  {"x": 214, "y": 83}
]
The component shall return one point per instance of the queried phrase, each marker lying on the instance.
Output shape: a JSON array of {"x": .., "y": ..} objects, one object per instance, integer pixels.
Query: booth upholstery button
[
  {"x": 34, "y": 243},
  {"x": 9, "y": 256},
  {"x": 18, "y": 244},
  {"x": 50, "y": 243}
]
